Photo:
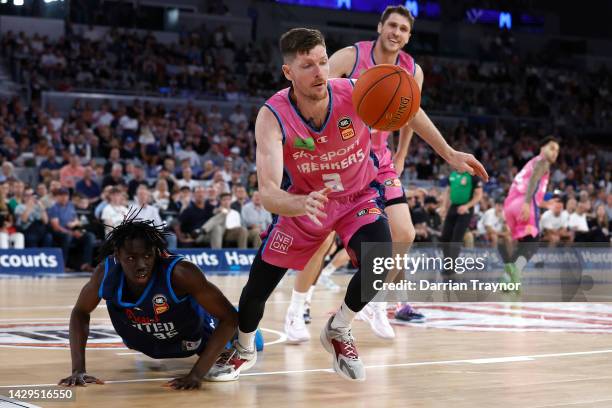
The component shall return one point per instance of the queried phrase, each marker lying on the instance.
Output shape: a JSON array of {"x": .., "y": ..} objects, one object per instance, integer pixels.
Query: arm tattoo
[{"x": 540, "y": 169}]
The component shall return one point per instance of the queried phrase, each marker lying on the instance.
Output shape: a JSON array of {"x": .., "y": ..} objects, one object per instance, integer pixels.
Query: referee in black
[{"x": 463, "y": 192}]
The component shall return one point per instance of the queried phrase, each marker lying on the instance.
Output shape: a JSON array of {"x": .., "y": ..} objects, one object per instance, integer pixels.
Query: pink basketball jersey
[
  {"x": 364, "y": 60},
  {"x": 338, "y": 155},
  {"x": 521, "y": 182}
]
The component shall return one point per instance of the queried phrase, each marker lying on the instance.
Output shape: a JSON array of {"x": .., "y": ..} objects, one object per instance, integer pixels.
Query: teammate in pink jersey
[
  {"x": 521, "y": 207},
  {"x": 394, "y": 31}
]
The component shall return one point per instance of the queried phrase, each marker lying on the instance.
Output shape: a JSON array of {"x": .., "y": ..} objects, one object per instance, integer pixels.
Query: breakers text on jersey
[{"x": 335, "y": 160}]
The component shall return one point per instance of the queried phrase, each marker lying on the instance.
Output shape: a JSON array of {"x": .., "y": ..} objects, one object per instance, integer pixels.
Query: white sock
[
  {"x": 309, "y": 295},
  {"x": 328, "y": 270},
  {"x": 343, "y": 317},
  {"x": 247, "y": 340},
  {"x": 296, "y": 307}
]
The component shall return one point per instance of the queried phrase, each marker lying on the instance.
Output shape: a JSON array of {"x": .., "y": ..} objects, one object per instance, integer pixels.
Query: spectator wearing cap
[
  {"x": 427, "y": 221},
  {"x": 146, "y": 211},
  {"x": 463, "y": 193},
  {"x": 31, "y": 218},
  {"x": 72, "y": 172},
  {"x": 256, "y": 219},
  {"x": 129, "y": 151},
  {"x": 67, "y": 232},
  {"x": 238, "y": 162},
  {"x": 87, "y": 186}
]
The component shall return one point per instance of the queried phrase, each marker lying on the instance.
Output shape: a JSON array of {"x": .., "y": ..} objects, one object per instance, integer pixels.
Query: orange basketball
[{"x": 386, "y": 97}]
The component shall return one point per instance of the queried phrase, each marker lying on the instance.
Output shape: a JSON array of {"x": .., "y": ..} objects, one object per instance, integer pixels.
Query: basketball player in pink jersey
[
  {"x": 394, "y": 29},
  {"x": 521, "y": 207},
  {"x": 312, "y": 133}
]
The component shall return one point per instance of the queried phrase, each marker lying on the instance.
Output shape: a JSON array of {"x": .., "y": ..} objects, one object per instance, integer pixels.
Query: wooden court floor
[{"x": 466, "y": 355}]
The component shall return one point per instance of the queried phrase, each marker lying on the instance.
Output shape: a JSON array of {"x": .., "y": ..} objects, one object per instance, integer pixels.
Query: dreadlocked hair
[{"x": 131, "y": 228}]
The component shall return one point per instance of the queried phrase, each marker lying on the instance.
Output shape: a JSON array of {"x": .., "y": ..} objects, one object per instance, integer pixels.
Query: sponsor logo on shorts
[
  {"x": 395, "y": 182},
  {"x": 373, "y": 210},
  {"x": 307, "y": 143},
  {"x": 281, "y": 242},
  {"x": 160, "y": 304},
  {"x": 346, "y": 128}
]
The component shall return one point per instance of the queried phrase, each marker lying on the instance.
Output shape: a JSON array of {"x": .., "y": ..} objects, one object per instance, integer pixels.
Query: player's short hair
[
  {"x": 133, "y": 228},
  {"x": 299, "y": 41},
  {"x": 399, "y": 9},
  {"x": 548, "y": 140}
]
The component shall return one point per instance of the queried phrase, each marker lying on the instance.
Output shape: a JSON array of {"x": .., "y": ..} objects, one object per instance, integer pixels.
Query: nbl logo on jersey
[
  {"x": 160, "y": 304},
  {"x": 346, "y": 128}
]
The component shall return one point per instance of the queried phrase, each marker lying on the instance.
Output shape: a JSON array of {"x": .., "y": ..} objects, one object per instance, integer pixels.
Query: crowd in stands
[
  {"x": 193, "y": 169},
  {"x": 210, "y": 64}
]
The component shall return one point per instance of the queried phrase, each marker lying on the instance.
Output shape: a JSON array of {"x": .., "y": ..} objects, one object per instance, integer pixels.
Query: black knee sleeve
[{"x": 377, "y": 231}]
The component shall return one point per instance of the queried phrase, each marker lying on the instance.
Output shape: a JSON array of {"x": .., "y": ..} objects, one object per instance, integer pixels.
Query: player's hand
[
  {"x": 525, "y": 212},
  {"x": 79, "y": 379},
  {"x": 462, "y": 209},
  {"x": 315, "y": 204},
  {"x": 467, "y": 162},
  {"x": 188, "y": 382}
]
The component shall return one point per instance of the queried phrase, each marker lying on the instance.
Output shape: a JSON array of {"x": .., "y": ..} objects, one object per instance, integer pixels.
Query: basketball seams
[
  {"x": 392, "y": 98},
  {"x": 395, "y": 72}
]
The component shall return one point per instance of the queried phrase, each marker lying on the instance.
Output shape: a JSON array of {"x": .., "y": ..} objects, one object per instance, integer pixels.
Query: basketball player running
[
  {"x": 521, "y": 207},
  {"x": 160, "y": 304},
  {"x": 394, "y": 31},
  {"x": 312, "y": 131}
]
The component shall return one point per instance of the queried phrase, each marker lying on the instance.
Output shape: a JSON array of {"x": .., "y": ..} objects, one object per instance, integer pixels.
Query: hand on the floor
[
  {"x": 188, "y": 382},
  {"x": 79, "y": 379}
]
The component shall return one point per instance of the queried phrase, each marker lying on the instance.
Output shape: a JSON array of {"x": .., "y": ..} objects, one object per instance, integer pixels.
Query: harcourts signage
[
  {"x": 31, "y": 261},
  {"x": 220, "y": 260}
]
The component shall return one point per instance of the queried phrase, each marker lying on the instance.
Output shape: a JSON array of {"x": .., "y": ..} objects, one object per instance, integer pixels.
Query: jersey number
[{"x": 333, "y": 181}]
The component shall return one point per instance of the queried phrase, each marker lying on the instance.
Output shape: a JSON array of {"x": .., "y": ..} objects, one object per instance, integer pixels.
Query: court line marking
[
  {"x": 504, "y": 359},
  {"x": 15, "y": 403}
]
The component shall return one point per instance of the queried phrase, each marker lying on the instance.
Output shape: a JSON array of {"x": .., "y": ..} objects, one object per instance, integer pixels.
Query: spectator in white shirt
[
  {"x": 554, "y": 223},
  {"x": 186, "y": 180},
  {"x": 234, "y": 231},
  {"x": 147, "y": 212},
  {"x": 256, "y": 218},
  {"x": 493, "y": 223},
  {"x": 577, "y": 222},
  {"x": 116, "y": 210}
]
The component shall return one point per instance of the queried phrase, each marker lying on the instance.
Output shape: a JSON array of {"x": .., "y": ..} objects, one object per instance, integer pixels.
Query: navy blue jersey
[{"x": 158, "y": 324}]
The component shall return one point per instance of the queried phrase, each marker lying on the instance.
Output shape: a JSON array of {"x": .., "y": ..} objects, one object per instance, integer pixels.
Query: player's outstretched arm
[
  {"x": 461, "y": 161},
  {"x": 188, "y": 279},
  {"x": 341, "y": 62},
  {"x": 79, "y": 330},
  {"x": 270, "y": 174},
  {"x": 406, "y": 132}
]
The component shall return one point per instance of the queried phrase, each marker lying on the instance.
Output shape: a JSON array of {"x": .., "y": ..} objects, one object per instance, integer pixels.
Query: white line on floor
[{"x": 423, "y": 363}]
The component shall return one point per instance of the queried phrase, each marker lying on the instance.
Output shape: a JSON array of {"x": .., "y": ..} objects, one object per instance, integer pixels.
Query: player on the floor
[
  {"x": 521, "y": 207},
  {"x": 160, "y": 304},
  {"x": 332, "y": 188},
  {"x": 394, "y": 30}
]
